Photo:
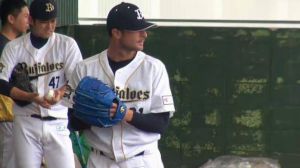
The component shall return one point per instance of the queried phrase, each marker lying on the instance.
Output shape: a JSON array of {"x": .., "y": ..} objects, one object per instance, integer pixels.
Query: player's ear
[
  {"x": 11, "y": 19},
  {"x": 116, "y": 33}
]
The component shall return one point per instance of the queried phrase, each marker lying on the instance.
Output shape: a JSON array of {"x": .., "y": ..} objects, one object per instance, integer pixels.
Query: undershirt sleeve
[
  {"x": 151, "y": 122},
  {"x": 5, "y": 88}
]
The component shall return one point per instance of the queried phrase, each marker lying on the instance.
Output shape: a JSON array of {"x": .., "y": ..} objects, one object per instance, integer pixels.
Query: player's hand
[
  {"x": 128, "y": 115},
  {"x": 58, "y": 95},
  {"x": 113, "y": 110},
  {"x": 42, "y": 102}
]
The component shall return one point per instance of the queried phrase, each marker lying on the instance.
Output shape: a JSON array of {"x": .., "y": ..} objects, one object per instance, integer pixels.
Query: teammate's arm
[
  {"x": 8, "y": 90},
  {"x": 17, "y": 94}
]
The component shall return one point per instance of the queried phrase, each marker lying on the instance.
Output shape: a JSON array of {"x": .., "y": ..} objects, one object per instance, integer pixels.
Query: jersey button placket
[
  {"x": 44, "y": 133},
  {"x": 117, "y": 143}
]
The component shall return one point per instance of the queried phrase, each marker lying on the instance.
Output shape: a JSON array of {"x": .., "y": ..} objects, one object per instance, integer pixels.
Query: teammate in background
[
  {"x": 141, "y": 81},
  {"x": 40, "y": 128},
  {"x": 14, "y": 20}
]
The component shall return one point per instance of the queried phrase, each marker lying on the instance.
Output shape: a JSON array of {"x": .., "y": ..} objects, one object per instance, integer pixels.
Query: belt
[
  {"x": 47, "y": 118},
  {"x": 102, "y": 153}
]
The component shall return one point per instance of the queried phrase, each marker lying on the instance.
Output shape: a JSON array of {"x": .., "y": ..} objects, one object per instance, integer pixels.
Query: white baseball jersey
[
  {"x": 51, "y": 65},
  {"x": 143, "y": 84}
]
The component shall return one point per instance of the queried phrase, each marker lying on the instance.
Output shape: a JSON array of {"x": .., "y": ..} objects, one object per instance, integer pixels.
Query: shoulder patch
[{"x": 167, "y": 100}]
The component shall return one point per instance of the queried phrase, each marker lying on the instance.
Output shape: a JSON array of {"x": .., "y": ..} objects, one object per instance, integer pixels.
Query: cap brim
[
  {"x": 43, "y": 17},
  {"x": 145, "y": 26}
]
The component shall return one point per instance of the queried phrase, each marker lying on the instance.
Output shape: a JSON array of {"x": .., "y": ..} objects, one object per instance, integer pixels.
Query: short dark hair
[{"x": 10, "y": 7}]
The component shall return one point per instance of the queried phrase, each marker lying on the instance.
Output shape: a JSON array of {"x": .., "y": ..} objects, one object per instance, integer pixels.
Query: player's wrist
[{"x": 18, "y": 94}]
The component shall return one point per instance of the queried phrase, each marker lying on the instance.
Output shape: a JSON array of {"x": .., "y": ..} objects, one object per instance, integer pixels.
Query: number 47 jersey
[{"x": 48, "y": 68}]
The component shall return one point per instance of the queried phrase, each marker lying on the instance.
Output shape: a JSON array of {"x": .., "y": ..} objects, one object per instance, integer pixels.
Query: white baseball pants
[
  {"x": 6, "y": 145},
  {"x": 150, "y": 159},
  {"x": 35, "y": 139}
]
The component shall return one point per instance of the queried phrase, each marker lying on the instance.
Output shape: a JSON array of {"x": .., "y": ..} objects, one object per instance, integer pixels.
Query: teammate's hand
[
  {"x": 58, "y": 95},
  {"x": 42, "y": 102}
]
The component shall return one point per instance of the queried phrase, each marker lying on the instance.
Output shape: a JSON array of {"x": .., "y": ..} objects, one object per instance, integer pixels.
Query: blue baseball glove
[{"x": 92, "y": 102}]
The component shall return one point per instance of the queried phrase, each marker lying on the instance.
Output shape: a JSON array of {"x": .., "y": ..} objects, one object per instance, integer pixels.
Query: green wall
[{"x": 236, "y": 90}]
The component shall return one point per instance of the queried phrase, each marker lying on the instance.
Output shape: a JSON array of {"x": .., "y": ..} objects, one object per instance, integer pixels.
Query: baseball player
[
  {"x": 141, "y": 81},
  {"x": 40, "y": 128},
  {"x": 14, "y": 21}
]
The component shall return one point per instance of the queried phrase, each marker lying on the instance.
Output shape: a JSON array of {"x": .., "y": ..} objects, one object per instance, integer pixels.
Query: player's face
[
  {"x": 133, "y": 40},
  {"x": 43, "y": 29},
  {"x": 20, "y": 22}
]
